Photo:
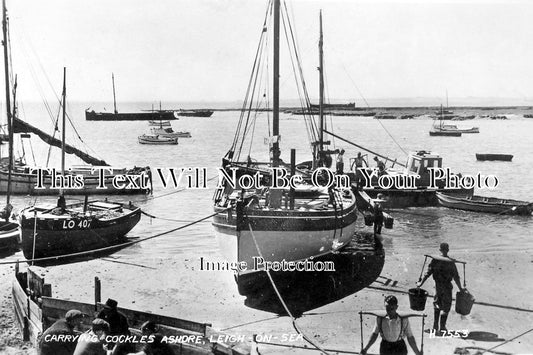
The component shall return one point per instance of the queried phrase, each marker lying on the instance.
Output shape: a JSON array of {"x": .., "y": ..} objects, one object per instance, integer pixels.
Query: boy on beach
[{"x": 393, "y": 329}]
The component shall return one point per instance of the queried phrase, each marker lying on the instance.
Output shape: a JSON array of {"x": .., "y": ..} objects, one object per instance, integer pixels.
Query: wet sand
[{"x": 174, "y": 287}]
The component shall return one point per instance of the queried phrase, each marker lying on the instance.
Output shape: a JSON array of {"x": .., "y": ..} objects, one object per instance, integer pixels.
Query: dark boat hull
[
  {"x": 135, "y": 116},
  {"x": 63, "y": 236},
  {"x": 195, "y": 113},
  {"x": 357, "y": 265},
  {"x": 9, "y": 236},
  {"x": 445, "y": 134},
  {"x": 498, "y": 157},
  {"x": 486, "y": 204}
]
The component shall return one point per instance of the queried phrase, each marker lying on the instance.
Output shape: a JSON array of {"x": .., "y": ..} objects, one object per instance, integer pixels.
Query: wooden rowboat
[
  {"x": 485, "y": 204},
  {"x": 35, "y": 310}
]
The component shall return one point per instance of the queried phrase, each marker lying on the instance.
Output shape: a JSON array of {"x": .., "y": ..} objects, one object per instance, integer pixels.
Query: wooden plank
[
  {"x": 35, "y": 312},
  {"x": 136, "y": 318},
  {"x": 18, "y": 293},
  {"x": 50, "y": 304}
]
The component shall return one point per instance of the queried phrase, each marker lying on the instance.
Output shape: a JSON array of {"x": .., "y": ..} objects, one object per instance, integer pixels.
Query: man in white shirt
[{"x": 393, "y": 329}]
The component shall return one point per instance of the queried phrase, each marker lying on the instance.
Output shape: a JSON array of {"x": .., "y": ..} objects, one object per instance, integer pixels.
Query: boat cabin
[{"x": 419, "y": 162}]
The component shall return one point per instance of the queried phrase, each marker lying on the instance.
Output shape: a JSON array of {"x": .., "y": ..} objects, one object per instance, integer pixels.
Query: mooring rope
[
  {"x": 116, "y": 246},
  {"x": 510, "y": 340},
  {"x": 298, "y": 330}
]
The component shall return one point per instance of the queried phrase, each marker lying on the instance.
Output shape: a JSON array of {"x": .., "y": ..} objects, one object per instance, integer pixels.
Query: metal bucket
[
  {"x": 464, "y": 302},
  {"x": 417, "y": 298},
  {"x": 369, "y": 219},
  {"x": 389, "y": 221}
]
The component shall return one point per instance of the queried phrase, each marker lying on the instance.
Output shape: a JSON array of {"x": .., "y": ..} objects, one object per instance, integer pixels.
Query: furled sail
[{"x": 20, "y": 126}]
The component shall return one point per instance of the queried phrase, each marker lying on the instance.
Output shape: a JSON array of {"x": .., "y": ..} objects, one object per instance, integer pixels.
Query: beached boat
[
  {"x": 91, "y": 115},
  {"x": 169, "y": 133},
  {"x": 36, "y": 310},
  {"x": 279, "y": 225},
  {"x": 156, "y": 139},
  {"x": 500, "y": 157},
  {"x": 60, "y": 230},
  {"x": 485, "y": 204},
  {"x": 195, "y": 113}
]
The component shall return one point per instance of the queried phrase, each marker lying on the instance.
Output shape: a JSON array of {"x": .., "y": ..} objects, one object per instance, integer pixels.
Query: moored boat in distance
[
  {"x": 445, "y": 133},
  {"x": 156, "y": 123},
  {"x": 131, "y": 116},
  {"x": 128, "y": 116},
  {"x": 485, "y": 204},
  {"x": 169, "y": 133},
  {"x": 195, "y": 113},
  {"x": 156, "y": 139},
  {"x": 498, "y": 157}
]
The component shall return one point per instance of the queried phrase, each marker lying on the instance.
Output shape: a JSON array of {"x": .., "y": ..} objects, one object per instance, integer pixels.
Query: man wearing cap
[
  {"x": 61, "y": 337},
  {"x": 393, "y": 329},
  {"x": 118, "y": 325},
  {"x": 92, "y": 341},
  {"x": 443, "y": 271}
]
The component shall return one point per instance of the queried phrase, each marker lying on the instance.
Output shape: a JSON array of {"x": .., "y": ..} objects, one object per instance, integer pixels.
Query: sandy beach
[{"x": 176, "y": 290}]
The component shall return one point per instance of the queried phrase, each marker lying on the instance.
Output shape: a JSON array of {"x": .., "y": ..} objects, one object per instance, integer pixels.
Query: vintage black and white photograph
[{"x": 266, "y": 177}]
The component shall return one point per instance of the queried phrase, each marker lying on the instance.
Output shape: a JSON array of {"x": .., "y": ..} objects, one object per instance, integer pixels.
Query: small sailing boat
[
  {"x": 50, "y": 231},
  {"x": 91, "y": 115},
  {"x": 438, "y": 130},
  {"x": 278, "y": 225}
]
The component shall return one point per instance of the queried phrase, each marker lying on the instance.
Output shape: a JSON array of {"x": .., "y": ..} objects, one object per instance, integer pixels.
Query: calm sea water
[{"x": 417, "y": 230}]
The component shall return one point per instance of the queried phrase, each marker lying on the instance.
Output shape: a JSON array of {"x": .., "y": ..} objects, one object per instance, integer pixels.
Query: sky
[{"x": 203, "y": 50}]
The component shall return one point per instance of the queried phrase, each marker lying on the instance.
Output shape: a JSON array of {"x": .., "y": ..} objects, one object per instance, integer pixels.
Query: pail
[
  {"x": 389, "y": 221},
  {"x": 369, "y": 219},
  {"x": 464, "y": 302},
  {"x": 417, "y": 299}
]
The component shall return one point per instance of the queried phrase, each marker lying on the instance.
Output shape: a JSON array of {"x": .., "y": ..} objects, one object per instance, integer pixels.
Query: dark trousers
[{"x": 392, "y": 348}]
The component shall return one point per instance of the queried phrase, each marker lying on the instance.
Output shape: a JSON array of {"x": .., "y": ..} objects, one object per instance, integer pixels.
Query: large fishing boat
[
  {"x": 286, "y": 227},
  {"x": 62, "y": 230},
  {"x": 91, "y": 115}
]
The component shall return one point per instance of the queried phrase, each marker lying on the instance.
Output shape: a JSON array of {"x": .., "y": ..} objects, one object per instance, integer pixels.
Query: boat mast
[
  {"x": 8, "y": 102},
  {"x": 321, "y": 85},
  {"x": 275, "y": 98},
  {"x": 114, "y": 98},
  {"x": 64, "y": 96}
]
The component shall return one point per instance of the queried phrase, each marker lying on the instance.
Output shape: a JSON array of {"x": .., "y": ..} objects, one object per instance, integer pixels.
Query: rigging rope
[{"x": 281, "y": 298}]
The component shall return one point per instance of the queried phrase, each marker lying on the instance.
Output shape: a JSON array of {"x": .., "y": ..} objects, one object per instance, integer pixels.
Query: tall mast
[
  {"x": 63, "y": 124},
  {"x": 275, "y": 98},
  {"x": 321, "y": 88},
  {"x": 114, "y": 98},
  {"x": 8, "y": 101}
]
